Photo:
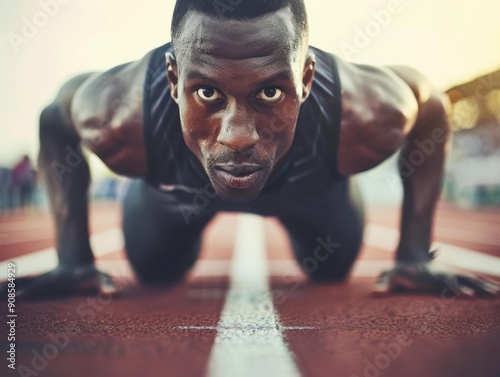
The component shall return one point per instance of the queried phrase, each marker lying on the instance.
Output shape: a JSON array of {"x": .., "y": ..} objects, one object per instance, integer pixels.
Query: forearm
[
  {"x": 66, "y": 176},
  {"x": 421, "y": 166}
]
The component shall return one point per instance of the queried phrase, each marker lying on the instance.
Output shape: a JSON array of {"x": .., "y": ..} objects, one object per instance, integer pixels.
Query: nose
[{"x": 238, "y": 131}]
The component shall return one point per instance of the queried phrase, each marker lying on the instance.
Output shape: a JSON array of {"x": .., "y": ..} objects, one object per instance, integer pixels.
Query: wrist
[
  {"x": 413, "y": 255},
  {"x": 74, "y": 265}
]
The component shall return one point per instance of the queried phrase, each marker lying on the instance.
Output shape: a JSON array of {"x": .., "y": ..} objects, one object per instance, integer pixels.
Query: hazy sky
[{"x": 451, "y": 41}]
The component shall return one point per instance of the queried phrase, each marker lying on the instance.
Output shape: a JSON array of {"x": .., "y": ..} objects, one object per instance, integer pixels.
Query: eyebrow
[{"x": 285, "y": 75}]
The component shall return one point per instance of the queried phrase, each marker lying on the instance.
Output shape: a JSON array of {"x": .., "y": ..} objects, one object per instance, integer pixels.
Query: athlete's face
[{"x": 239, "y": 86}]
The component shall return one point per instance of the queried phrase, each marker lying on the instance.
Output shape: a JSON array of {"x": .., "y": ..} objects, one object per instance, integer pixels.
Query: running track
[{"x": 246, "y": 310}]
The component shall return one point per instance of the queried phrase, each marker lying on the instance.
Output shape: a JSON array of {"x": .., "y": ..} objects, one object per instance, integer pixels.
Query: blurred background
[{"x": 453, "y": 42}]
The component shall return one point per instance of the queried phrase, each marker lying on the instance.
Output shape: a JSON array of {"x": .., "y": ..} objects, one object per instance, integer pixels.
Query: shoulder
[
  {"x": 103, "y": 93},
  {"x": 433, "y": 105},
  {"x": 110, "y": 103},
  {"x": 375, "y": 95},
  {"x": 106, "y": 110},
  {"x": 378, "y": 110}
]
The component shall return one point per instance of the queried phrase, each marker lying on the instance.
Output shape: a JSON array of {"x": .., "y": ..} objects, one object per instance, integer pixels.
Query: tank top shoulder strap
[
  {"x": 328, "y": 80},
  {"x": 156, "y": 103}
]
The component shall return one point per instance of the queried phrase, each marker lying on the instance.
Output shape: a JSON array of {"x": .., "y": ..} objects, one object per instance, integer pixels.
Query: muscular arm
[
  {"x": 104, "y": 114},
  {"x": 384, "y": 110},
  {"x": 66, "y": 176},
  {"x": 421, "y": 167}
]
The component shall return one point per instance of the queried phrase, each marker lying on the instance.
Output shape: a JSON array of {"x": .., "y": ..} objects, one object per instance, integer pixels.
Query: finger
[
  {"x": 383, "y": 285},
  {"x": 433, "y": 254},
  {"x": 401, "y": 280},
  {"x": 108, "y": 286},
  {"x": 417, "y": 280},
  {"x": 26, "y": 287},
  {"x": 481, "y": 287},
  {"x": 457, "y": 288},
  {"x": 20, "y": 283},
  {"x": 49, "y": 284},
  {"x": 98, "y": 282},
  {"x": 488, "y": 280},
  {"x": 35, "y": 285},
  {"x": 34, "y": 288},
  {"x": 424, "y": 283}
]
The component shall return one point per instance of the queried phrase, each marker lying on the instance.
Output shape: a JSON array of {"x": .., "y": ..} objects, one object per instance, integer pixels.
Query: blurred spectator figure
[
  {"x": 4, "y": 188},
  {"x": 22, "y": 183}
]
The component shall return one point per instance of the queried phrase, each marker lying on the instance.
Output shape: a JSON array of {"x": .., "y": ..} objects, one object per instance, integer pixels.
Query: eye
[
  {"x": 270, "y": 94},
  {"x": 208, "y": 94}
]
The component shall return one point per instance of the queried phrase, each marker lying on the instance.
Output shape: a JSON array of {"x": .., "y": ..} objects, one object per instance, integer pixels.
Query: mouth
[{"x": 239, "y": 176}]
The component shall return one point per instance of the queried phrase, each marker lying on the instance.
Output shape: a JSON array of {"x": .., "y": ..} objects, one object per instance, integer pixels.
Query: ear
[
  {"x": 172, "y": 76},
  {"x": 308, "y": 76}
]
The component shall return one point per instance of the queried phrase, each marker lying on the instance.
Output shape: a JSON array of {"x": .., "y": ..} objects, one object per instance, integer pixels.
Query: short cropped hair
[{"x": 241, "y": 10}]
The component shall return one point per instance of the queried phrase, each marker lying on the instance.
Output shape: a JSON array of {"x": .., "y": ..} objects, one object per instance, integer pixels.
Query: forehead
[{"x": 209, "y": 41}]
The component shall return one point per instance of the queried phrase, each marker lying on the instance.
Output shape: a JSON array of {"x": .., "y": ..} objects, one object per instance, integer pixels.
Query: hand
[
  {"x": 64, "y": 281},
  {"x": 428, "y": 278}
]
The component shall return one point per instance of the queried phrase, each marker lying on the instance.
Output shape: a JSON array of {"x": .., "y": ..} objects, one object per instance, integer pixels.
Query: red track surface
[{"x": 136, "y": 335}]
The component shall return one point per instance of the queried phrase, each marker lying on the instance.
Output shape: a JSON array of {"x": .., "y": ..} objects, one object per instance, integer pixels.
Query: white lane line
[
  {"x": 250, "y": 340},
  {"x": 218, "y": 328},
  {"x": 45, "y": 260},
  {"x": 387, "y": 238}
]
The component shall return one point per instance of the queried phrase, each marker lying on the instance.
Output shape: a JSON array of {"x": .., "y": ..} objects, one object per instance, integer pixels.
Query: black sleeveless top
[{"x": 310, "y": 165}]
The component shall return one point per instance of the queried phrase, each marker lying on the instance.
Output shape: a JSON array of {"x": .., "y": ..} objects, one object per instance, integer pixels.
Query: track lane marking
[
  {"x": 250, "y": 339},
  {"x": 218, "y": 328}
]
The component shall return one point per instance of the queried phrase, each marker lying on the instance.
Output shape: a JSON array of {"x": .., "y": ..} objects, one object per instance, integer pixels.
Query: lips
[{"x": 239, "y": 176}]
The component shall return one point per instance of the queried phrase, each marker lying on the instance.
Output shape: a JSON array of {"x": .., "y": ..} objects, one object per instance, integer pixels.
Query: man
[{"x": 239, "y": 113}]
